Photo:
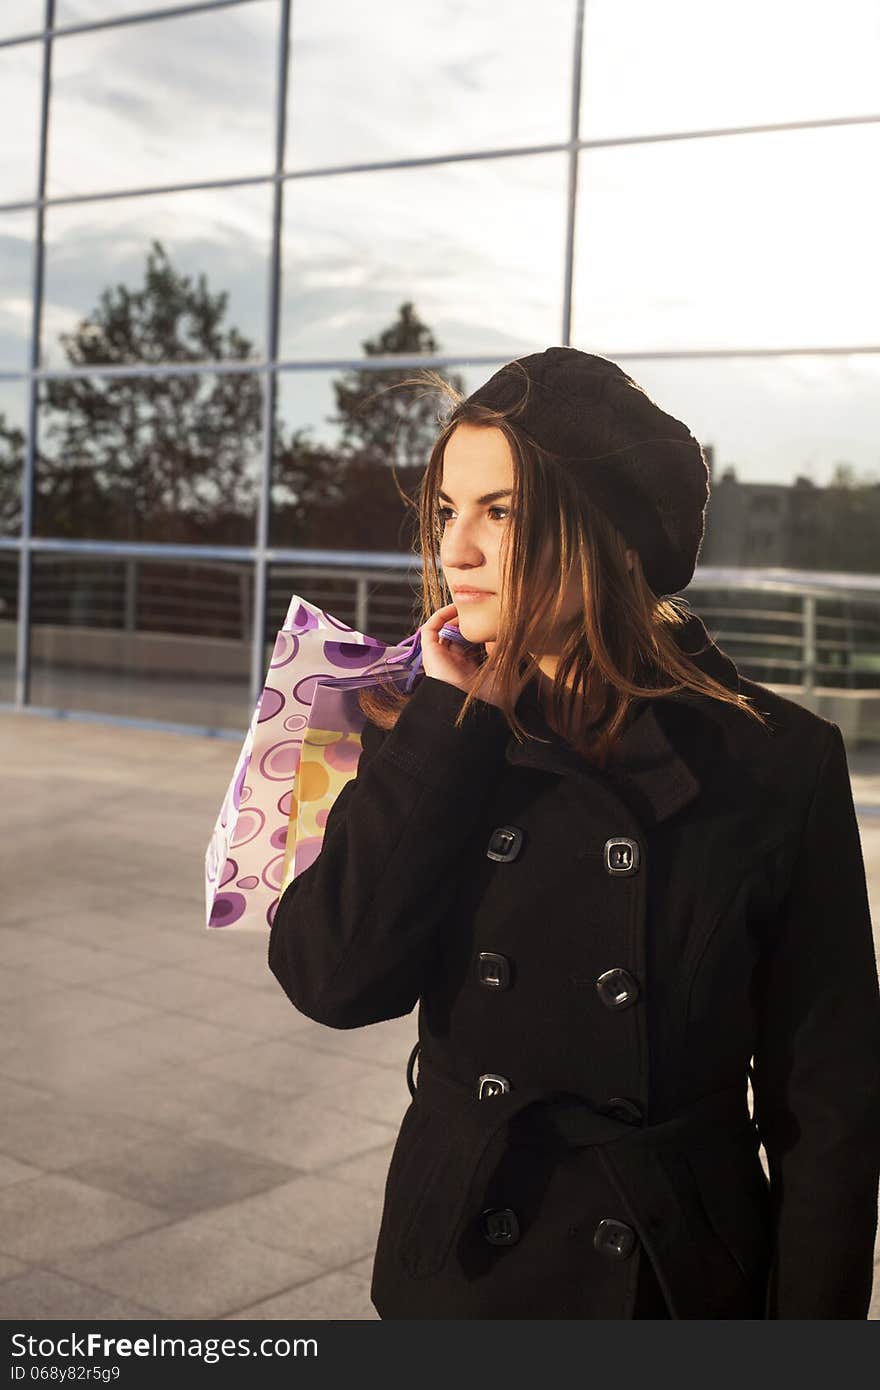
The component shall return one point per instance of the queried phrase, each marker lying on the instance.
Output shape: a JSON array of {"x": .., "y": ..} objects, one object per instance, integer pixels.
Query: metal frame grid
[{"x": 260, "y": 554}]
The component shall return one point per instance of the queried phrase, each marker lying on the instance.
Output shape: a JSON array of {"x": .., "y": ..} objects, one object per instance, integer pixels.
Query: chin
[{"x": 476, "y": 629}]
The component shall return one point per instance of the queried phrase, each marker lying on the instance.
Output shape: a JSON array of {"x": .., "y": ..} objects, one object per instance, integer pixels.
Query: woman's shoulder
[{"x": 791, "y": 723}]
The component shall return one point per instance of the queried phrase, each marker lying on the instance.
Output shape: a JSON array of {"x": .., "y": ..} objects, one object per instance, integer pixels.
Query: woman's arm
[
  {"x": 352, "y": 933},
  {"x": 817, "y": 1065}
]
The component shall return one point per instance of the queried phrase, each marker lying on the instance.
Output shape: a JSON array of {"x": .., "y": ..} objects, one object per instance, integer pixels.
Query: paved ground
[{"x": 178, "y": 1142}]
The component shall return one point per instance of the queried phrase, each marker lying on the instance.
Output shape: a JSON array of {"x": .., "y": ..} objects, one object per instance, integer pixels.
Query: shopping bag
[{"x": 302, "y": 746}]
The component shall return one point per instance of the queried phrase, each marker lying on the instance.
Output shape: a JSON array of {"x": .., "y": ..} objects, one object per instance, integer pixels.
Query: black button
[
  {"x": 619, "y": 1108},
  {"x": 617, "y": 988},
  {"x": 621, "y": 855},
  {"x": 505, "y": 843},
  {"x": 493, "y": 970},
  {"x": 500, "y": 1226},
  {"x": 614, "y": 1239},
  {"x": 491, "y": 1084}
]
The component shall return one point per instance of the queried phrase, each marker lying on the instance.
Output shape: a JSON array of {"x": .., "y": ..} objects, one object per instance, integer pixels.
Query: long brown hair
[{"x": 621, "y": 648}]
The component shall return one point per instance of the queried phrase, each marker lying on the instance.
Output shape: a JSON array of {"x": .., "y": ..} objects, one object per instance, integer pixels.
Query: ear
[{"x": 629, "y": 559}]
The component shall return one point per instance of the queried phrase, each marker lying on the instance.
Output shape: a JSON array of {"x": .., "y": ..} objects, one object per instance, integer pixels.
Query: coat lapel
[{"x": 649, "y": 763}]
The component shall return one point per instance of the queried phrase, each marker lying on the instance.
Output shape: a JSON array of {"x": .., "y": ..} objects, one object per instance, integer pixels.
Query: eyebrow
[{"x": 481, "y": 501}]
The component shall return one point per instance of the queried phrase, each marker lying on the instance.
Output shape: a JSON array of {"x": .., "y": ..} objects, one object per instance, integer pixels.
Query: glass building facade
[{"x": 226, "y": 226}]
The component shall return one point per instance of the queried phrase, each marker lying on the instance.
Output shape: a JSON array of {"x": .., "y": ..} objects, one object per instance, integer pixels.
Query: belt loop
[{"x": 409, "y": 1070}]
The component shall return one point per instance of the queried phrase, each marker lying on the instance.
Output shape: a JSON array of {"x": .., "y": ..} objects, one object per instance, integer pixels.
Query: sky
[{"x": 701, "y": 241}]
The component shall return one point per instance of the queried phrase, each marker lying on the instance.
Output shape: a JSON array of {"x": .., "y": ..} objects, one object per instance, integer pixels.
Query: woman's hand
[{"x": 448, "y": 661}]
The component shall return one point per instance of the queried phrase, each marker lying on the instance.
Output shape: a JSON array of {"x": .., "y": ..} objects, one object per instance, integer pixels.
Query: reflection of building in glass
[{"x": 226, "y": 228}]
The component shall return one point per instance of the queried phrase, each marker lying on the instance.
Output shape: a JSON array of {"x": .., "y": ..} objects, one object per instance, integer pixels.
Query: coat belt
[{"x": 631, "y": 1156}]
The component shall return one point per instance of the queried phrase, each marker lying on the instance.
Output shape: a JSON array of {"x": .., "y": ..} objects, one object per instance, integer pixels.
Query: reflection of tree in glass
[
  {"x": 346, "y": 497},
  {"x": 11, "y": 460},
  {"x": 159, "y": 458}
]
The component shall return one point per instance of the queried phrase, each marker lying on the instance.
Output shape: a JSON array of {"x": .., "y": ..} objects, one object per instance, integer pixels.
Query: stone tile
[
  {"x": 68, "y": 962},
  {"x": 266, "y": 1013},
  {"x": 173, "y": 1096},
  {"x": 188, "y": 1270},
  {"x": 238, "y": 956},
  {"x": 59, "y": 1134},
  {"x": 46, "y": 1217},
  {"x": 186, "y": 990},
  {"x": 386, "y": 1044},
  {"x": 41, "y": 1295},
  {"x": 12, "y": 1171},
  {"x": 145, "y": 936},
  {"x": 41, "y": 901},
  {"x": 368, "y": 1170},
  {"x": 77, "y": 1067},
  {"x": 338, "y": 1296},
  {"x": 288, "y": 1068},
  {"x": 181, "y": 1176},
  {"x": 10, "y": 1268},
  {"x": 71, "y": 1012},
  {"x": 297, "y": 1131},
  {"x": 328, "y": 1223},
  {"x": 20, "y": 982},
  {"x": 21, "y": 1093},
  {"x": 382, "y": 1094},
  {"x": 166, "y": 1037}
]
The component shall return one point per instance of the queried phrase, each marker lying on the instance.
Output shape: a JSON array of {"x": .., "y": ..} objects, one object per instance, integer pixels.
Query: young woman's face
[{"x": 475, "y": 505}]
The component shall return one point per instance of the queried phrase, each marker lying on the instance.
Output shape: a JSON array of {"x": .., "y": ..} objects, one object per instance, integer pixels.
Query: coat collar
[{"x": 650, "y": 765}]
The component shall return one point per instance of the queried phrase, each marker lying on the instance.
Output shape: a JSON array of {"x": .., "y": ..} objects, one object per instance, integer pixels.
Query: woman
[{"x": 621, "y": 879}]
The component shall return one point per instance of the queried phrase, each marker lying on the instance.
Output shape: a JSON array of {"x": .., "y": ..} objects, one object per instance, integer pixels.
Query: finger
[{"x": 435, "y": 622}]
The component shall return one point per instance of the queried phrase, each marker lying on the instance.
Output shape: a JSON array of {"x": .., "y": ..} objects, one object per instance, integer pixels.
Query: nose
[{"x": 461, "y": 546}]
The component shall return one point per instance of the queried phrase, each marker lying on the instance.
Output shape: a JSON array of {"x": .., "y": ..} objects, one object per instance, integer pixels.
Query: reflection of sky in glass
[
  {"x": 804, "y": 415},
  {"x": 175, "y": 100},
  {"x": 223, "y": 234},
  {"x": 743, "y": 241},
  {"x": 21, "y": 17},
  {"x": 740, "y": 241},
  {"x": 13, "y": 403},
  {"x": 21, "y": 71},
  {"x": 689, "y": 65},
  {"x": 772, "y": 418},
  {"x": 76, "y": 11},
  {"x": 392, "y": 80},
  {"x": 478, "y": 246},
  {"x": 16, "y": 287}
]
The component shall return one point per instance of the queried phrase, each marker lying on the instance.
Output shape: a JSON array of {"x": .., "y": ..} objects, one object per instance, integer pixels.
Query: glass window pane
[
  {"x": 78, "y": 11},
  {"x": 337, "y": 437},
  {"x": 792, "y": 448},
  {"x": 17, "y": 230},
  {"x": 477, "y": 248},
  {"x": 143, "y": 638},
  {"x": 377, "y": 600},
  {"x": 21, "y": 17},
  {"x": 13, "y": 410},
  {"x": 100, "y": 252},
  {"x": 740, "y": 241},
  {"x": 697, "y": 66},
  {"x": 8, "y": 622},
  {"x": 385, "y": 81},
  {"x": 175, "y": 100},
  {"x": 795, "y": 500},
  {"x": 21, "y": 75},
  {"x": 172, "y": 458}
]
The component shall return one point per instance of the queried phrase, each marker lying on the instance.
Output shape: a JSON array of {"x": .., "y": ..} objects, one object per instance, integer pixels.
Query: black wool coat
[{"x": 602, "y": 962}]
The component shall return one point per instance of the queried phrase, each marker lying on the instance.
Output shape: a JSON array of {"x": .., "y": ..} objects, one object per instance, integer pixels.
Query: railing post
[
  {"x": 361, "y": 619},
  {"x": 809, "y": 644},
  {"x": 131, "y": 595}
]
